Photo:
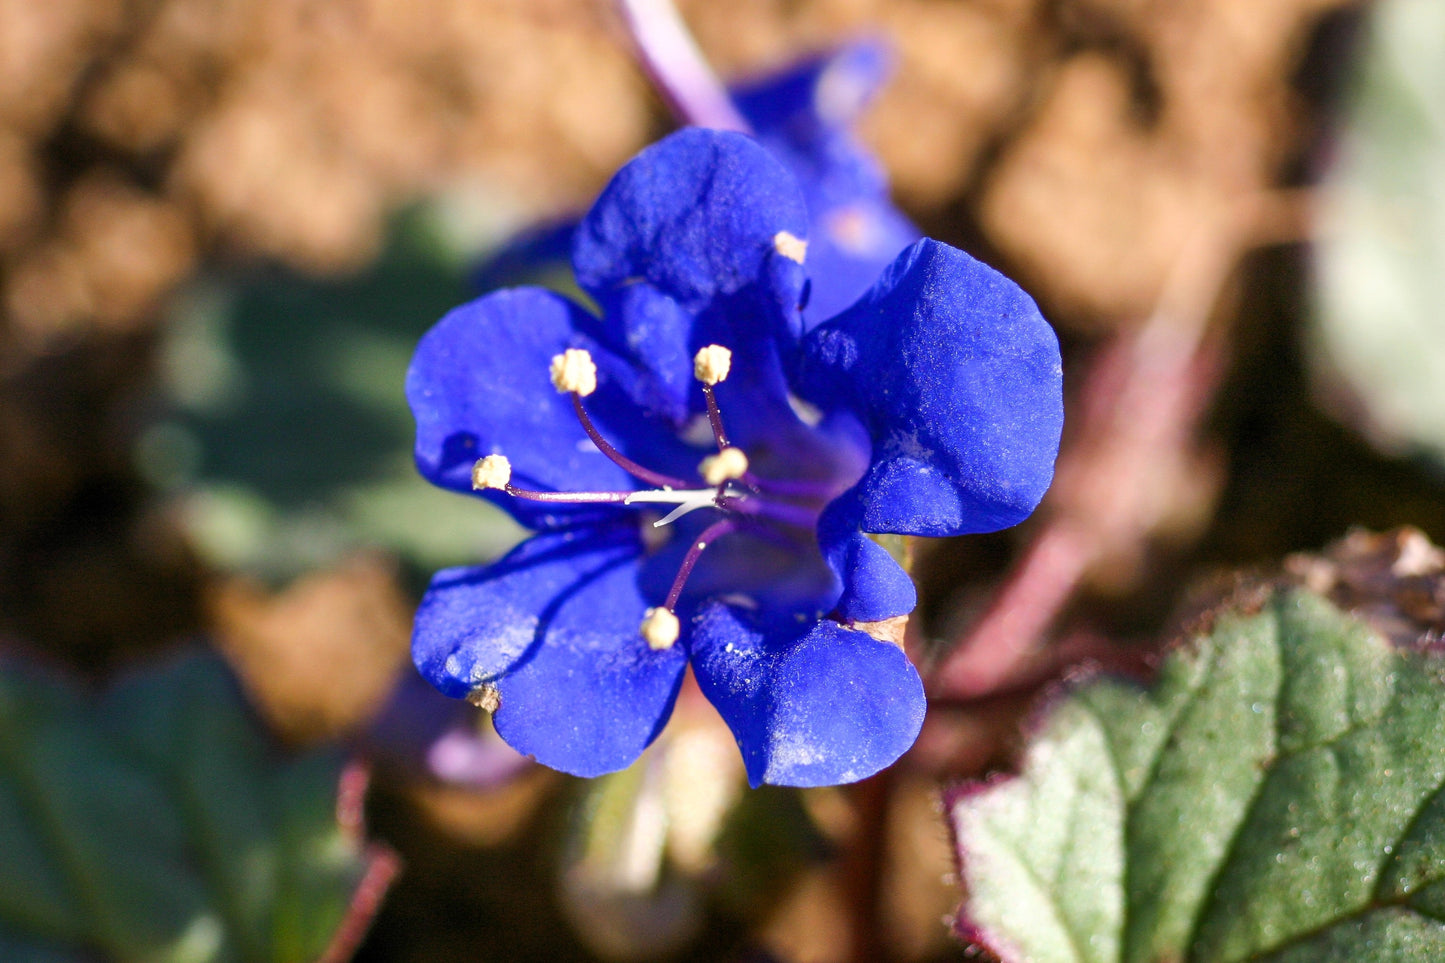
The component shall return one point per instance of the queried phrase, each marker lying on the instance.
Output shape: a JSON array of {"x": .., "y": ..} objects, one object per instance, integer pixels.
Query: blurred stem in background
[{"x": 677, "y": 68}]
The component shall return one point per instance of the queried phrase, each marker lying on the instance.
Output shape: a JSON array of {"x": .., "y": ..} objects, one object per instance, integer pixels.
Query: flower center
[{"x": 745, "y": 500}]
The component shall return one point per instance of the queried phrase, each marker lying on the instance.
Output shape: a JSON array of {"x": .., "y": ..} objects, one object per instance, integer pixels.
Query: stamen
[
  {"x": 790, "y": 246},
  {"x": 493, "y": 471},
  {"x": 709, "y": 535},
  {"x": 622, "y": 461},
  {"x": 671, "y": 496},
  {"x": 726, "y": 465},
  {"x": 732, "y": 487},
  {"x": 574, "y": 371},
  {"x": 711, "y": 364},
  {"x": 660, "y": 628},
  {"x": 578, "y": 497},
  {"x": 714, "y": 417}
]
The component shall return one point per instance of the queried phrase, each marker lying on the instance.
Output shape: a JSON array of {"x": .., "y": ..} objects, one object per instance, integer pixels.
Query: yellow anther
[
  {"x": 493, "y": 471},
  {"x": 660, "y": 629},
  {"x": 725, "y": 465},
  {"x": 790, "y": 246},
  {"x": 574, "y": 371},
  {"x": 711, "y": 364}
]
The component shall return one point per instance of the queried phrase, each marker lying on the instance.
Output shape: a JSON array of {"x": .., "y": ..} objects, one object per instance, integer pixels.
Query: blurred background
[{"x": 224, "y": 224}]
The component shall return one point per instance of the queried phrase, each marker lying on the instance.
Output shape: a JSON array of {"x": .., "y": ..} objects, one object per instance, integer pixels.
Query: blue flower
[
  {"x": 804, "y": 115},
  {"x": 700, "y": 466}
]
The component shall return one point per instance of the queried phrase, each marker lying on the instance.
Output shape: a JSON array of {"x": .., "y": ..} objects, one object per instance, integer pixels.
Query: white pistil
[
  {"x": 573, "y": 371},
  {"x": 790, "y": 246},
  {"x": 687, "y": 500},
  {"x": 726, "y": 465},
  {"x": 493, "y": 471},
  {"x": 660, "y": 629},
  {"x": 711, "y": 364}
]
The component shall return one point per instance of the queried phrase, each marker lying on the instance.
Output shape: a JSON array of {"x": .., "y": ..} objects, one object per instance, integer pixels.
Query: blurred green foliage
[
  {"x": 289, "y": 442},
  {"x": 160, "y": 824}
]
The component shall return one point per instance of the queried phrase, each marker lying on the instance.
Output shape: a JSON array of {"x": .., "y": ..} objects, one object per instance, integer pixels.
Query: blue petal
[
  {"x": 874, "y": 586},
  {"x": 679, "y": 252},
  {"x": 852, "y": 243},
  {"x": 803, "y": 116},
  {"x": 774, "y": 571},
  {"x": 810, "y": 705},
  {"x": 479, "y": 384},
  {"x": 554, "y": 627},
  {"x": 826, "y": 91},
  {"x": 957, "y": 379}
]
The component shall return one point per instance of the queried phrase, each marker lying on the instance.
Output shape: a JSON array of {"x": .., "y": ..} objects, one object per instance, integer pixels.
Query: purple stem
[
  {"x": 714, "y": 417},
  {"x": 566, "y": 497},
  {"x": 626, "y": 464},
  {"x": 710, "y": 534},
  {"x": 677, "y": 67}
]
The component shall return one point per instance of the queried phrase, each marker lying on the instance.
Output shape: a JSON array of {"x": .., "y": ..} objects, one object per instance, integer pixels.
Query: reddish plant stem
[
  {"x": 864, "y": 866},
  {"x": 382, "y": 866},
  {"x": 1019, "y": 615}
]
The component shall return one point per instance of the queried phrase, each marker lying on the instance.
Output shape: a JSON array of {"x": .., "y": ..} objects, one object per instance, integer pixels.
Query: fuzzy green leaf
[
  {"x": 1276, "y": 795},
  {"x": 160, "y": 825}
]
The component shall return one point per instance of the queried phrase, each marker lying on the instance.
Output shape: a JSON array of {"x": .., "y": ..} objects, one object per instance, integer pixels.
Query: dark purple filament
[
  {"x": 714, "y": 531},
  {"x": 626, "y": 464},
  {"x": 714, "y": 417}
]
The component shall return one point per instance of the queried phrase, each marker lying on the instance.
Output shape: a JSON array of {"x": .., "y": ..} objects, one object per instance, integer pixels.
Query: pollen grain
[
  {"x": 573, "y": 371},
  {"x": 660, "y": 628},
  {"x": 493, "y": 471}
]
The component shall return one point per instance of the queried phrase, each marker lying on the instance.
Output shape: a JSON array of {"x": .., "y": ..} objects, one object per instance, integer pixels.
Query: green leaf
[
  {"x": 159, "y": 824},
  {"x": 1276, "y": 795},
  {"x": 1381, "y": 250}
]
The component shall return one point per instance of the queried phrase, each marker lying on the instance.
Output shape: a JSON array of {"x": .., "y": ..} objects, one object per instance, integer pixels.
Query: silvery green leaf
[{"x": 1276, "y": 795}]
